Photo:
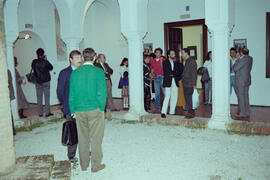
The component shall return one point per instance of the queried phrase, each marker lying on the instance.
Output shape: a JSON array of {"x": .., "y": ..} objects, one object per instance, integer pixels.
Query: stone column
[
  {"x": 136, "y": 91},
  {"x": 133, "y": 15},
  {"x": 7, "y": 153},
  {"x": 217, "y": 20}
]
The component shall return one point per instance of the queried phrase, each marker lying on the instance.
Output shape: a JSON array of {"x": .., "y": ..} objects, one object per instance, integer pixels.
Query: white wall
[
  {"x": 161, "y": 12},
  {"x": 25, "y": 59},
  {"x": 102, "y": 32},
  {"x": 40, "y": 13},
  {"x": 250, "y": 23}
]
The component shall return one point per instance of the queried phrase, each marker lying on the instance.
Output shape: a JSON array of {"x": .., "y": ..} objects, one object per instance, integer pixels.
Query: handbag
[
  {"x": 195, "y": 99},
  {"x": 69, "y": 133},
  {"x": 31, "y": 77}
]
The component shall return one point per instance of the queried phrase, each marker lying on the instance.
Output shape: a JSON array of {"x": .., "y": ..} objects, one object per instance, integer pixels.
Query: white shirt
[
  {"x": 172, "y": 64},
  {"x": 123, "y": 69},
  {"x": 88, "y": 63},
  {"x": 233, "y": 62},
  {"x": 208, "y": 64}
]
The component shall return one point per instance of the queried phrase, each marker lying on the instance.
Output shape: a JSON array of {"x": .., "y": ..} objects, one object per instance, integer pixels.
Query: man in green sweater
[{"x": 87, "y": 100}]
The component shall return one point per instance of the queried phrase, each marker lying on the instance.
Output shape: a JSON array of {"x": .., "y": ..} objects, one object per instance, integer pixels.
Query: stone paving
[{"x": 39, "y": 168}]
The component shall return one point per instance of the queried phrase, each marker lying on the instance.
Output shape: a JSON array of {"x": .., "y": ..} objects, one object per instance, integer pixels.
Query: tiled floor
[{"x": 257, "y": 114}]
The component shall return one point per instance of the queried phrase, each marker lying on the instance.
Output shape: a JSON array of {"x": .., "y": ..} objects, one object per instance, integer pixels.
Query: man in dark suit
[
  {"x": 101, "y": 63},
  {"x": 172, "y": 75},
  {"x": 242, "y": 69},
  {"x": 63, "y": 92},
  {"x": 189, "y": 81}
]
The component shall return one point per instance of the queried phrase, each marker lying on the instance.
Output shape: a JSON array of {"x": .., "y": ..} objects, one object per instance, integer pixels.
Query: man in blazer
[
  {"x": 189, "y": 81},
  {"x": 172, "y": 75},
  {"x": 107, "y": 72},
  {"x": 63, "y": 92},
  {"x": 242, "y": 69}
]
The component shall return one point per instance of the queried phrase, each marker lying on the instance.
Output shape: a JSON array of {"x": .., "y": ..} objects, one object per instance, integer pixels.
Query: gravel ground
[{"x": 156, "y": 152}]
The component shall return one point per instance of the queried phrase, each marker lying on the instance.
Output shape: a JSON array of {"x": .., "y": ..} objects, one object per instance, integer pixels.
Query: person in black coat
[
  {"x": 147, "y": 82},
  {"x": 63, "y": 92},
  {"x": 42, "y": 67},
  {"x": 172, "y": 75}
]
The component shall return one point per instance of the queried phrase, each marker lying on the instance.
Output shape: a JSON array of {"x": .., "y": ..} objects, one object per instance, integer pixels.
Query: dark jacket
[
  {"x": 108, "y": 71},
  {"x": 42, "y": 70},
  {"x": 63, "y": 89},
  {"x": 10, "y": 86},
  {"x": 146, "y": 74},
  {"x": 170, "y": 73},
  {"x": 190, "y": 73}
]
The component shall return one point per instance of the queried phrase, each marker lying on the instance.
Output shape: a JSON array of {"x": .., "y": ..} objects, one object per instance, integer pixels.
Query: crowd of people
[
  {"x": 85, "y": 90},
  {"x": 166, "y": 75}
]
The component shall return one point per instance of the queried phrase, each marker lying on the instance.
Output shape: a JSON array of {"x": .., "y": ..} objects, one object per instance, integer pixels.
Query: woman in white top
[
  {"x": 123, "y": 67},
  {"x": 208, "y": 85}
]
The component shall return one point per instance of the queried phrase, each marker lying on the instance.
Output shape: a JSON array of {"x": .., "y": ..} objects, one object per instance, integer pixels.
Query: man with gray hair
[
  {"x": 242, "y": 69},
  {"x": 87, "y": 100}
]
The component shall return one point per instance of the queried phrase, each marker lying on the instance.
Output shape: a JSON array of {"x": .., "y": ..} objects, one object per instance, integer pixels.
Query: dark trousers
[
  {"x": 188, "y": 91},
  {"x": 147, "y": 98},
  {"x": 71, "y": 149},
  {"x": 243, "y": 100},
  {"x": 41, "y": 89}
]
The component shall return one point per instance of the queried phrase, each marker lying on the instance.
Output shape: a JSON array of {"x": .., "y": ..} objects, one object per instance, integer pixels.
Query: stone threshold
[
  {"x": 42, "y": 167},
  {"x": 233, "y": 127}
]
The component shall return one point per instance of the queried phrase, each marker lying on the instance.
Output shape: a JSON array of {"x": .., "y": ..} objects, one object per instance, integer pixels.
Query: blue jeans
[
  {"x": 232, "y": 84},
  {"x": 158, "y": 83}
]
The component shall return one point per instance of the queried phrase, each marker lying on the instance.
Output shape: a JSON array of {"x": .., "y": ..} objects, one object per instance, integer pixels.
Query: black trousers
[
  {"x": 147, "y": 98},
  {"x": 188, "y": 91}
]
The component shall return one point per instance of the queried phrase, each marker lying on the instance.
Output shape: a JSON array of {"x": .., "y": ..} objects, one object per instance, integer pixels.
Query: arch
[
  {"x": 87, "y": 6},
  {"x": 99, "y": 17},
  {"x": 64, "y": 16},
  {"x": 25, "y": 51}
]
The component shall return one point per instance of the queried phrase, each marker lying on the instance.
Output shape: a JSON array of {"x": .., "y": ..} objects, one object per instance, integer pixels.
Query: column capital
[{"x": 134, "y": 35}]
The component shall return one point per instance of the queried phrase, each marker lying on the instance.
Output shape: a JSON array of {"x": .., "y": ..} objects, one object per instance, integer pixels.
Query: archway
[
  {"x": 101, "y": 31},
  {"x": 25, "y": 51}
]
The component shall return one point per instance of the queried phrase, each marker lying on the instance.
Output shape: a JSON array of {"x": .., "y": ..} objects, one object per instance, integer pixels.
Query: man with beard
[{"x": 172, "y": 75}]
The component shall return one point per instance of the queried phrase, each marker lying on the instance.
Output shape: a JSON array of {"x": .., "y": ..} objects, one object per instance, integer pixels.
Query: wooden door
[{"x": 175, "y": 40}]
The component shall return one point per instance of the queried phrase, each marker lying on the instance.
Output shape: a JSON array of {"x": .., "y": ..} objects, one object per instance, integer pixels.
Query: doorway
[{"x": 188, "y": 34}]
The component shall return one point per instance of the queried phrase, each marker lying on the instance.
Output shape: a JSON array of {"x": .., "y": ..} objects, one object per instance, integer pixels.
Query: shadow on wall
[{"x": 25, "y": 51}]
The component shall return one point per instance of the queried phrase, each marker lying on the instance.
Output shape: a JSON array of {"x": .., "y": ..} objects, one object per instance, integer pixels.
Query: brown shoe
[
  {"x": 102, "y": 166},
  {"x": 189, "y": 116},
  {"x": 241, "y": 118}
]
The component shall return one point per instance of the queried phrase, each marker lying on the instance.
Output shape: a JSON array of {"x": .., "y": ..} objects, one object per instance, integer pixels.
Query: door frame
[
  {"x": 268, "y": 45},
  {"x": 187, "y": 23}
]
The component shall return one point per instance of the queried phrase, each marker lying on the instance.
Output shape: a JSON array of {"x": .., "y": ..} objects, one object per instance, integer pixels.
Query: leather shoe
[
  {"x": 163, "y": 115},
  {"x": 189, "y": 116},
  {"x": 102, "y": 166},
  {"x": 50, "y": 114},
  {"x": 242, "y": 118}
]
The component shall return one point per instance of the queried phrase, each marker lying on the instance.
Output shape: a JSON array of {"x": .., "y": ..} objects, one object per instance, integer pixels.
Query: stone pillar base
[{"x": 219, "y": 122}]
